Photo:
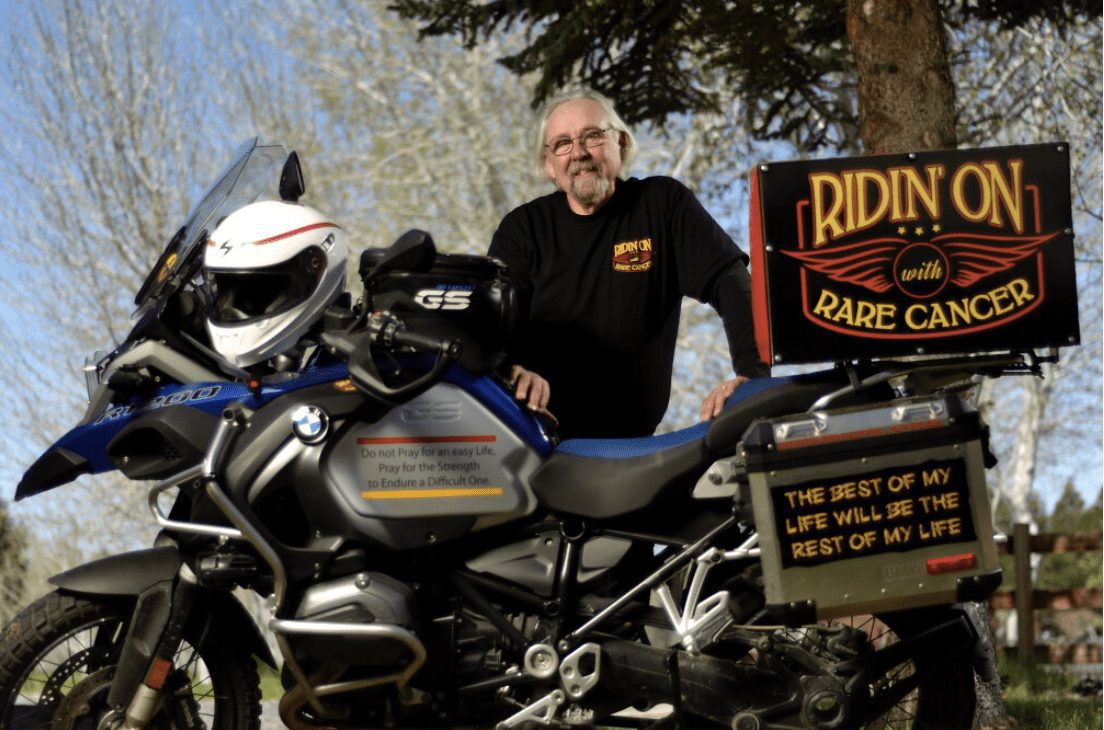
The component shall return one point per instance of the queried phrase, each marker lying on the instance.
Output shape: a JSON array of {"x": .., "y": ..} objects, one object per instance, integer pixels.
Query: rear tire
[
  {"x": 945, "y": 698},
  {"x": 57, "y": 658}
]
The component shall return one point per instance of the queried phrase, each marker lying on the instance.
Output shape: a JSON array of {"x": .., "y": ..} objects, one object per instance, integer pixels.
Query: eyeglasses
[{"x": 589, "y": 138}]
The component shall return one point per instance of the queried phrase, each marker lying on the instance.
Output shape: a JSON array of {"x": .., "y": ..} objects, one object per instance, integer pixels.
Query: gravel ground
[{"x": 270, "y": 716}]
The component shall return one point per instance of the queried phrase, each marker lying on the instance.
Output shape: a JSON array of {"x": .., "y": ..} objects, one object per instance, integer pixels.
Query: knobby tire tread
[{"x": 43, "y": 622}]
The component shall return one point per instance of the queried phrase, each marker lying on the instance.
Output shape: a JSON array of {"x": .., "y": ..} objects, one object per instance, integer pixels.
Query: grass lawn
[
  {"x": 1055, "y": 714},
  {"x": 1042, "y": 700},
  {"x": 270, "y": 682}
]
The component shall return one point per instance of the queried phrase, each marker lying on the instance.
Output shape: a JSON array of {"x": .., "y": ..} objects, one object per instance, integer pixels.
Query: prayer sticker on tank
[
  {"x": 889, "y": 510},
  {"x": 426, "y": 467}
]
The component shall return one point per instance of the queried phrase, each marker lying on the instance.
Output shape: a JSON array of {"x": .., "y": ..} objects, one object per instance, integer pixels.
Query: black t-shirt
[{"x": 600, "y": 297}]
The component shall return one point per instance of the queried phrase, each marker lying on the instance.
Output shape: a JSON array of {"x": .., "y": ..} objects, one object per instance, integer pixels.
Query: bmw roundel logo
[{"x": 310, "y": 424}]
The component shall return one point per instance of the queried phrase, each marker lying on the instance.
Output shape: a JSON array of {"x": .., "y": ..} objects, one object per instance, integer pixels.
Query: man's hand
[
  {"x": 530, "y": 387},
  {"x": 714, "y": 402}
]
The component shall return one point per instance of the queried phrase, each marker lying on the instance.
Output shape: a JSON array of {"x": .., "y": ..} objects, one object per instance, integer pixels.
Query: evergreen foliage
[
  {"x": 790, "y": 63},
  {"x": 1071, "y": 570},
  {"x": 1070, "y": 514}
]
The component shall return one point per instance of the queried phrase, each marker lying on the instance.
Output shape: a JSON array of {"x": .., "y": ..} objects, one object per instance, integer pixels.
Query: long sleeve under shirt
[{"x": 600, "y": 297}]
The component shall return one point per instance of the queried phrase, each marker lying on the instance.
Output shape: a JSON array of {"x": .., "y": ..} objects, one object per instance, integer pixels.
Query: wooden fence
[{"x": 1021, "y": 544}]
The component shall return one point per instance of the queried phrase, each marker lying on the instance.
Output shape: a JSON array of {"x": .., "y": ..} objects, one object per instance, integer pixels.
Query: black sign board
[
  {"x": 888, "y": 510},
  {"x": 942, "y": 252}
]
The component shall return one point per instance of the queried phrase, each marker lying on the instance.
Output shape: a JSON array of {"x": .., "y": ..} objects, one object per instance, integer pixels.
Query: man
[{"x": 601, "y": 267}]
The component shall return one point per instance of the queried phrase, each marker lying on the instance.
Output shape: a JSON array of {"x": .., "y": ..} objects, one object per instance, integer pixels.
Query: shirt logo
[{"x": 632, "y": 256}]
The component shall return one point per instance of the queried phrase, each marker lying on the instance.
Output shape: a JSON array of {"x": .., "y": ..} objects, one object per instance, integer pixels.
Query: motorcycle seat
[{"x": 606, "y": 478}]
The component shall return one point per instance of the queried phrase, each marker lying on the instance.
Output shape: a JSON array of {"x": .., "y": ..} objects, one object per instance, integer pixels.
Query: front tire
[{"x": 58, "y": 656}]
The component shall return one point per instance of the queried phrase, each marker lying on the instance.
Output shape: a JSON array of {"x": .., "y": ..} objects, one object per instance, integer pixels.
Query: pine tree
[
  {"x": 797, "y": 68},
  {"x": 1071, "y": 570}
]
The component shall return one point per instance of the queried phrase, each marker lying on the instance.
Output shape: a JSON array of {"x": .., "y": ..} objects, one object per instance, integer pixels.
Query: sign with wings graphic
[{"x": 956, "y": 251}]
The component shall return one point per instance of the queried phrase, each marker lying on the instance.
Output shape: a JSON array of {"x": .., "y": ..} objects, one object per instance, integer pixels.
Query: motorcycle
[{"x": 433, "y": 557}]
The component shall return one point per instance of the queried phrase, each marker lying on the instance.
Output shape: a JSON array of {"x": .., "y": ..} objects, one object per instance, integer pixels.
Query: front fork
[{"x": 156, "y": 630}]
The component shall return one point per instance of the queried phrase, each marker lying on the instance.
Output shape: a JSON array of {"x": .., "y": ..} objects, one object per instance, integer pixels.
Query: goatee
[{"x": 591, "y": 189}]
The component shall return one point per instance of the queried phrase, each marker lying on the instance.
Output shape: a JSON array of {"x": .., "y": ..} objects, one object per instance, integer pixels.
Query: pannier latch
[
  {"x": 800, "y": 429},
  {"x": 917, "y": 411}
]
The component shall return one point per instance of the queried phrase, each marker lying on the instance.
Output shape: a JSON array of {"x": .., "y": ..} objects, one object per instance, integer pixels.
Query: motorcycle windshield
[{"x": 253, "y": 170}]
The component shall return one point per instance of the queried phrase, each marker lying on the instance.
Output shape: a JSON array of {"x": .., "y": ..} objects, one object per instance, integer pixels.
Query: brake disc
[{"x": 88, "y": 699}]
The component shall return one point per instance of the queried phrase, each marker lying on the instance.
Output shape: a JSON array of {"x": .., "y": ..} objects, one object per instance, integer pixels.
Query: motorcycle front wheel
[{"x": 58, "y": 657}]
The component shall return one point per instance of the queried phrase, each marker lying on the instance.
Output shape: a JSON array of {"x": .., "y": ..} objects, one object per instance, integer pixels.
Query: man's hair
[{"x": 612, "y": 118}]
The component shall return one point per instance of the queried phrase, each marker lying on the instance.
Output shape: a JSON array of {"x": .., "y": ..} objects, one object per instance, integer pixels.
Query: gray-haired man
[{"x": 601, "y": 267}]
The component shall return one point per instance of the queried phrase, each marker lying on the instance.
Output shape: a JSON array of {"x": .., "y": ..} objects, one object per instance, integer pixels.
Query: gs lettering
[{"x": 444, "y": 300}]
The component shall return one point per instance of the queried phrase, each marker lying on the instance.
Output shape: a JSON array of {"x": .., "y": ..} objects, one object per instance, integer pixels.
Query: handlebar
[
  {"x": 387, "y": 331},
  {"x": 390, "y": 332}
]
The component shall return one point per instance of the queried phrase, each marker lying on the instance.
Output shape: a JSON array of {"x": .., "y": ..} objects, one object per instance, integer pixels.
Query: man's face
[{"x": 586, "y": 174}]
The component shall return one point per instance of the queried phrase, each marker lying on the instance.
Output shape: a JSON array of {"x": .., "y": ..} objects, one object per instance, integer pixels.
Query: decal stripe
[
  {"x": 390, "y": 440},
  {"x": 431, "y": 493},
  {"x": 288, "y": 234}
]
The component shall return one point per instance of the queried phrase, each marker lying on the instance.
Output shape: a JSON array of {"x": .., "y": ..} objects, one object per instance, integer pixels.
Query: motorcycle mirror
[
  {"x": 292, "y": 185},
  {"x": 413, "y": 251}
]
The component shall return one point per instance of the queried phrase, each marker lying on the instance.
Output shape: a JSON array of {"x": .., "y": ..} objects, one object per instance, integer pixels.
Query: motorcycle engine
[{"x": 363, "y": 598}]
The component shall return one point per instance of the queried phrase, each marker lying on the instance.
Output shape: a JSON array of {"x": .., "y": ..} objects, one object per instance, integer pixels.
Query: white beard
[{"x": 590, "y": 189}]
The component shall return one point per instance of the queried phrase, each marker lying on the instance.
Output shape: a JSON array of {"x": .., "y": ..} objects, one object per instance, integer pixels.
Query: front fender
[
  {"x": 127, "y": 574},
  {"x": 131, "y": 574}
]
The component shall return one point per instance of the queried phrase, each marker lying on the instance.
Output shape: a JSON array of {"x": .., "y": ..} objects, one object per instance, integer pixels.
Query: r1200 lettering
[{"x": 433, "y": 556}]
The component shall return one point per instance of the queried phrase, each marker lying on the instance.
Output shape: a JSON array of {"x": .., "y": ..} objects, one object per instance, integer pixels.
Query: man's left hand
[{"x": 714, "y": 402}]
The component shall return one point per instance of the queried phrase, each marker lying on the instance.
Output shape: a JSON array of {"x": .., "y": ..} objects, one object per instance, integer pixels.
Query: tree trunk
[
  {"x": 1036, "y": 396},
  {"x": 907, "y": 104},
  {"x": 906, "y": 98}
]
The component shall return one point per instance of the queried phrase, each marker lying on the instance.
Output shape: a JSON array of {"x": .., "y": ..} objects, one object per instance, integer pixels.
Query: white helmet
[{"x": 272, "y": 268}]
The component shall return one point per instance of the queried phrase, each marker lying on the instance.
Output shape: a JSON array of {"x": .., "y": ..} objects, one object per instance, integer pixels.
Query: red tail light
[{"x": 951, "y": 563}]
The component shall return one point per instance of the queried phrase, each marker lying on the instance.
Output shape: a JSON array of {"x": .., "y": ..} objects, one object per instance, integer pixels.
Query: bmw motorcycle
[{"x": 432, "y": 556}]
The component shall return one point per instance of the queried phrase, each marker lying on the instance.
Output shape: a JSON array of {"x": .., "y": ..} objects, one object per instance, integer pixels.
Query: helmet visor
[{"x": 243, "y": 296}]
